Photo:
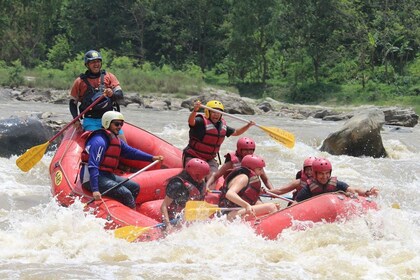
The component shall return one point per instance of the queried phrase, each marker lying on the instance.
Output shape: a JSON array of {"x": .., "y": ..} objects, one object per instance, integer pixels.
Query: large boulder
[
  {"x": 360, "y": 136},
  {"x": 17, "y": 134}
]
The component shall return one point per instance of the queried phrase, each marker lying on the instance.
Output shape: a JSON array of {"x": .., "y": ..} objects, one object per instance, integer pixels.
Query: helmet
[
  {"x": 109, "y": 116},
  {"x": 197, "y": 169},
  {"x": 308, "y": 162},
  {"x": 92, "y": 55},
  {"x": 252, "y": 162},
  {"x": 245, "y": 143},
  {"x": 321, "y": 165},
  {"x": 215, "y": 105}
]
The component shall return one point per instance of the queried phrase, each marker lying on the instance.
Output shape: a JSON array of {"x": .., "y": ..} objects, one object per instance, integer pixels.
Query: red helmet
[
  {"x": 197, "y": 169},
  {"x": 245, "y": 143},
  {"x": 308, "y": 162},
  {"x": 252, "y": 162},
  {"x": 321, "y": 165}
]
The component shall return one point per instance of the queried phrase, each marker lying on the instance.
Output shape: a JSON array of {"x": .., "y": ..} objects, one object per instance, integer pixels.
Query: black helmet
[{"x": 92, "y": 55}]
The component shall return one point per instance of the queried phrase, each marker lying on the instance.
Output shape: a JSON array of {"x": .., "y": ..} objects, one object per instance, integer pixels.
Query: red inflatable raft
[{"x": 66, "y": 187}]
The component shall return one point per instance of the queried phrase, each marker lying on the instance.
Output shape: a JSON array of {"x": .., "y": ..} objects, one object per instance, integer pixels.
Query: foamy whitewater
[{"x": 41, "y": 240}]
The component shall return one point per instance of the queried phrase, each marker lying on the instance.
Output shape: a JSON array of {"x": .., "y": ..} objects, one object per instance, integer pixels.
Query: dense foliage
[{"x": 298, "y": 51}]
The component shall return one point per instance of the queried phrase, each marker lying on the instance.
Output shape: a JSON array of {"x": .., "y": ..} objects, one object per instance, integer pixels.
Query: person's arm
[
  {"x": 96, "y": 154},
  {"x": 74, "y": 92},
  {"x": 136, "y": 154},
  {"x": 73, "y": 108},
  {"x": 216, "y": 175},
  {"x": 113, "y": 89},
  {"x": 241, "y": 130},
  {"x": 164, "y": 210},
  {"x": 287, "y": 188},
  {"x": 266, "y": 182},
  {"x": 235, "y": 186},
  {"x": 193, "y": 114},
  {"x": 363, "y": 192}
]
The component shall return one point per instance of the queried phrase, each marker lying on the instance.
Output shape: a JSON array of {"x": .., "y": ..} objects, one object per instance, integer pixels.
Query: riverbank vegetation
[{"x": 310, "y": 52}]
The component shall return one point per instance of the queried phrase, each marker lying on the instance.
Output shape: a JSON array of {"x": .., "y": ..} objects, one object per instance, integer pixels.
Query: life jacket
[
  {"x": 91, "y": 94},
  {"x": 209, "y": 146},
  {"x": 193, "y": 194},
  {"x": 316, "y": 188},
  {"x": 112, "y": 153},
  {"x": 250, "y": 193},
  {"x": 236, "y": 162},
  {"x": 304, "y": 181}
]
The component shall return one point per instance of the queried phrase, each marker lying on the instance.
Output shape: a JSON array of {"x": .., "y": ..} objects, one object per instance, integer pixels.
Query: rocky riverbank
[{"x": 234, "y": 104}]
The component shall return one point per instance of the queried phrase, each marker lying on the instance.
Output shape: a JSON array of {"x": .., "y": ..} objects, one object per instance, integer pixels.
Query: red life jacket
[
  {"x": 250, "y": 193},
  {"x": 194, "y": 194},
  {"x": 316, "y": 188},
  {"x": 112, "y": 153},
  {"x": 236, "y": 163},
  {"x": 209, "y": 146},
  {"x": 303, "y": 182}
]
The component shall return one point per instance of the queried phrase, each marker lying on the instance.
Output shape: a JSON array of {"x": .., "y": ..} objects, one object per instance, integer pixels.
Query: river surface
[{"x": 41, "y": 240}]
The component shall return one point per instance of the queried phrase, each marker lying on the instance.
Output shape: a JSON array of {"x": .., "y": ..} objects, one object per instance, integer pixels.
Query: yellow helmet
[{"x": 215, "y": 105}]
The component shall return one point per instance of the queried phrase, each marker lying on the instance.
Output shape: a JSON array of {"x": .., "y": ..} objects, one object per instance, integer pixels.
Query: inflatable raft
[{"x": 66, "y": 187}]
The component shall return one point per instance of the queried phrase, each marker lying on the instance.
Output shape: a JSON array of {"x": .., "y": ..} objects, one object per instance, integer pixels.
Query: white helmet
[{"x": 109, "y": 116}]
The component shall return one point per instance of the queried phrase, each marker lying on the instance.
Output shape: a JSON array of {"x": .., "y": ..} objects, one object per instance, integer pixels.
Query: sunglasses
[{"x": 118, "y": 123}]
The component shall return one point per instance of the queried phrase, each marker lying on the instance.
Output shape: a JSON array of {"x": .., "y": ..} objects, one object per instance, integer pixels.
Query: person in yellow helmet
[{"x": 207, "y": 133}]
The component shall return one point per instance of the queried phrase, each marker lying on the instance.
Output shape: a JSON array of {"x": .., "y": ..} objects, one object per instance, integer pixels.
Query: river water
[{"x": 41, "y": 240}]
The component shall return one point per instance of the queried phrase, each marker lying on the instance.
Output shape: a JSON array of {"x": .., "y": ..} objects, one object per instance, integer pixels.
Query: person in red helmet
[
  {"x": 244, "y": 146},
  {"x": 301, "y": 179},
  {"x": 207, "y": 133},
  {"x": 242, "y": 188},
  {"x": 322, "y": 182},
  {"x": 187, "y": 185}
]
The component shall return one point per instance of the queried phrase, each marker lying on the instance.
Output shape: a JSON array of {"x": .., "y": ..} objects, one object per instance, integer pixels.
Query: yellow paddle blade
[
  {"x": 130, "y": 233},
  {"x": 31, "y": 157},
  {"x": 199, "y": 210},
  {"x": 279, "y": 135}
]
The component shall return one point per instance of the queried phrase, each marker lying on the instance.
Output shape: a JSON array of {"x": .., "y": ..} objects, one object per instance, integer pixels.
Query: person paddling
[
  {"x": 100, "y": 159},
  {"x": 185, "y": 186},
  {"x": 301, "y": 179},
  {"x": 322, "y": 182},
  {"x": 242, "y": 188},
  {"x": 207, "y": 133}
]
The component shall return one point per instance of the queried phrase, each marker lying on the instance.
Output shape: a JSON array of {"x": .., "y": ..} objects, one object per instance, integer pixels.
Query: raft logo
[{"x": 58, "y": 178}]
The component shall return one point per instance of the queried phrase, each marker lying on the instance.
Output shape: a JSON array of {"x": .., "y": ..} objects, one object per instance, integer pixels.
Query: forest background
[{"x": 299, "y": 51}]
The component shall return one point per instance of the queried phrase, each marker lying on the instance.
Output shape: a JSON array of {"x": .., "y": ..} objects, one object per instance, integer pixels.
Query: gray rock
[{"x": 360, "y": 136}]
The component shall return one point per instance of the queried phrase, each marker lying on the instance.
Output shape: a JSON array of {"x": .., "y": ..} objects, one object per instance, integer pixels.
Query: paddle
[
  {"x": 32, "y": 156},
  {"x": 201, "y": 210},
  {"x": 279, "y": 196},
  {"x": 279, "y": 135},
  {"x": 131, "y": 233},
  {"x": 128, "y": 178}
]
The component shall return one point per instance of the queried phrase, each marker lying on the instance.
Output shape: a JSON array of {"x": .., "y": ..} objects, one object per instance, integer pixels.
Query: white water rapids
[{"x": 41, "y": 240}]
